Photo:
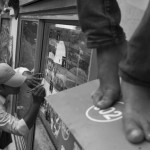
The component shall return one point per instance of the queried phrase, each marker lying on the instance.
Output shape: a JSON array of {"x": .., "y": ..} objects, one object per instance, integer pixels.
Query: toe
[
  {"x": 110, "y": 97},
  {"x": 104, "y": 103},
  {"x": 133, "y": 132},
  {"x": 96, "y": 97},
  {"x": 147, "y": 135},
  {"x": 135, "y": 136},
  {"x": 146, "y": 128}
]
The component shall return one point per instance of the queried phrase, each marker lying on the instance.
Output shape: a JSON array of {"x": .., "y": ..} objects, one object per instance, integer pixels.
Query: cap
[
  {"x": 9, "y": 77},
  {"x": 21, "y": 70}
]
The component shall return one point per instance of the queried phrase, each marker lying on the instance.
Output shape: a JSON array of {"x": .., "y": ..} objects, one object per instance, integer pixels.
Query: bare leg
[
  {"x": 109, "y": 90},
  {"x": 137, "y": 112}
]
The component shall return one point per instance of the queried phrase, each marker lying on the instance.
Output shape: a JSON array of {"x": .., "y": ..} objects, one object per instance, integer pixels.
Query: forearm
[
  {"x": 38, "y": 97},
  {"x": 31, "y": 115},
  {"x": 12, "y": 124}
]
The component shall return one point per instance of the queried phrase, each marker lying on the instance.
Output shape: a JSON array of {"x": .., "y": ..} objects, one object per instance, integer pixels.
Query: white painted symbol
[
  {"x": 76, "y": 147},
  {"x": 65, "y": 132},
  {"x": 62, "y": 147},
  {"x": 112, "y": 114}
]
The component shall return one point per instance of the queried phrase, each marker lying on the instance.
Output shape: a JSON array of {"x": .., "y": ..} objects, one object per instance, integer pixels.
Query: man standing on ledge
[{"x": 100, "y": 21}]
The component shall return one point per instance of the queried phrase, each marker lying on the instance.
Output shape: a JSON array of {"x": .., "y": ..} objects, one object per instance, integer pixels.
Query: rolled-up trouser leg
[
  {"x": 135, "y": 67},
  {"x": 100, "y": 21}
]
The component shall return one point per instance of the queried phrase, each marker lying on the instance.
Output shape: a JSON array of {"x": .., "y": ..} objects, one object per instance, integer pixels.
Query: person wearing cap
[
  {"x": 10, "y": 82},
  {"x": 31, "y": 80}
]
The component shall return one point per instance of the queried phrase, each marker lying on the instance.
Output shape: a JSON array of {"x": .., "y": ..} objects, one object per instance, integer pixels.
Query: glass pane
[
  {"x": 67, "y": 59},
  {"x": 27, "y": 51},
  {"x": 67, "y": 62},
  {"x": 28, "y": 44}
]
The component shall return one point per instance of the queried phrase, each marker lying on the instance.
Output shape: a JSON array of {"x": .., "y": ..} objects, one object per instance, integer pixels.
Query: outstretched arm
[
  {"x": 12, "y": 124},
  {"x": 38, "y": 98}
]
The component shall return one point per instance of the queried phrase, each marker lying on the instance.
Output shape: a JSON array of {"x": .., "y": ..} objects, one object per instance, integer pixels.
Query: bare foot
[
  {"x": 109, "y": 90},
  {"x": 136, "y": 119}
]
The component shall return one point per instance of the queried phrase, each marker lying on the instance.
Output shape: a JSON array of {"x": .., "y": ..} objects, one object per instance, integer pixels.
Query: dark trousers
[
  {"x": 100, "y": 21},
  {"x": 135, "y": 67}
]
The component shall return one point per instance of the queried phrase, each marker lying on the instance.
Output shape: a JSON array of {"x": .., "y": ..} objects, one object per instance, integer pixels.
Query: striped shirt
[{"x": 10, "y": 123}]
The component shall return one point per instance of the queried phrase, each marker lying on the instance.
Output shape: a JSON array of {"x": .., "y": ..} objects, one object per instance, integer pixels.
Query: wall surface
[{"x": 132, "y": 12}]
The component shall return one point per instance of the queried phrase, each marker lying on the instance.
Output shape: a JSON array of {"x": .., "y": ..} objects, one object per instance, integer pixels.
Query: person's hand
[
  {"x": 38, "y": 94},
  {"x": 32, "y": 80}
]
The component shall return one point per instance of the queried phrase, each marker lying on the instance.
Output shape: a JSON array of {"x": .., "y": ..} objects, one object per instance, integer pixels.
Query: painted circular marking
[{"x": 108, "y": 115}]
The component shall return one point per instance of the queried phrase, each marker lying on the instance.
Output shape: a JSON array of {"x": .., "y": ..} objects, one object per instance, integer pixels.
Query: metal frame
[{"x": 42, "y": 36}]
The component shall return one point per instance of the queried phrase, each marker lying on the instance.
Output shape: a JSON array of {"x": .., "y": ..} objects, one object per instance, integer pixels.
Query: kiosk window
[
  {"x": 28, "y": 44},
  {"x": 68, "y": 58},
  {"x": 27, "y": 53}
]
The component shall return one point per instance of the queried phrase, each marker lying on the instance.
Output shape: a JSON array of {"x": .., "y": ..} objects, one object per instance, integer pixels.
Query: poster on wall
[
  {"x": 6, "y": 43},
  {"x": 67, "y": 59}
]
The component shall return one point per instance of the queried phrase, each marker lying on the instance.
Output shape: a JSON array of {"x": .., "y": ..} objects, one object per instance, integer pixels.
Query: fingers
[
  {"x": 41, "y": 92},
  {"x": 35, "y": 81},
  {"x": 35, "y": 88},
  {"x": 37, "y": 78},
  {"x": 38, "y": 94},
  {"x": 38, "y": 75},
  {"x": 31, "y": 83}
]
